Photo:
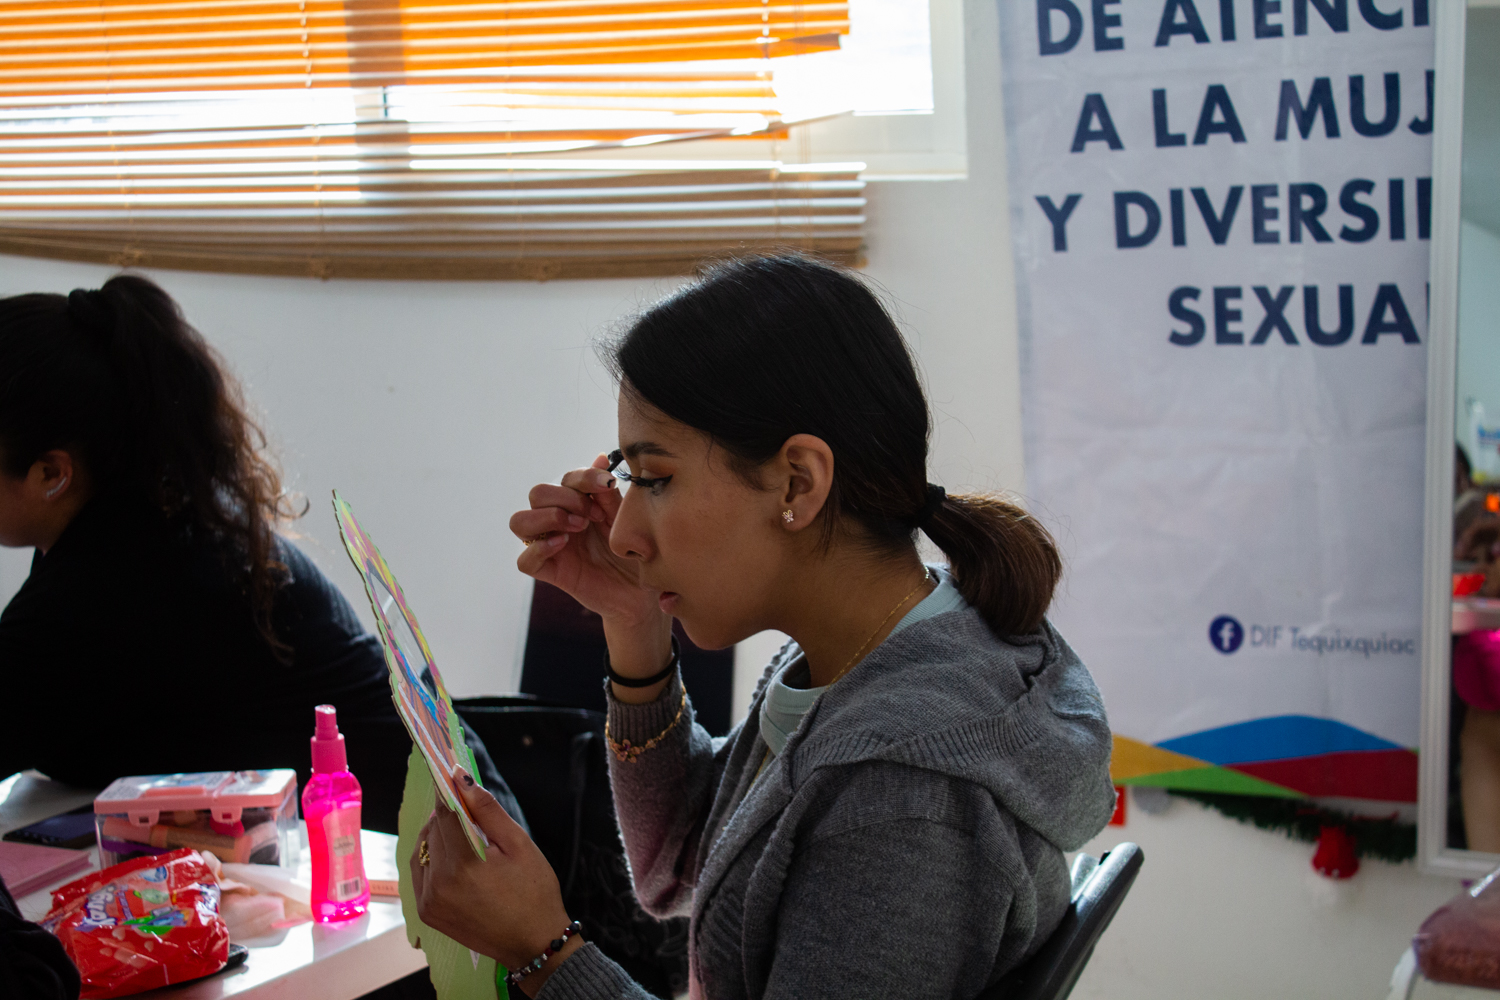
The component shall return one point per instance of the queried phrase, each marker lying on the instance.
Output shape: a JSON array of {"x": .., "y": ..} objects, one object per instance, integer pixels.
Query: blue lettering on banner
[
  {"x": 1060, "y": 23},
  {"x": 1180, "y": 17},
  {"x": 1048, "y": 41},
  {"x": 1317, "y": 641},
  {"x": 1388, "y": 314},
  {"x": 1221, "y": 213},
  {"x": 1226, "y": 634}
]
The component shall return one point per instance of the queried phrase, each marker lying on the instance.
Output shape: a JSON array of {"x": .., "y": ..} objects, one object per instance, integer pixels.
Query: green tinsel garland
[{"x": 1387, "y": 839}]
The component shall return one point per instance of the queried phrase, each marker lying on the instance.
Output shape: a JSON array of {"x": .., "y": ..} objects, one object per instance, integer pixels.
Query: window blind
[
  {"x": 71, "y": 46},
  {"x": 406, "y": 138}
]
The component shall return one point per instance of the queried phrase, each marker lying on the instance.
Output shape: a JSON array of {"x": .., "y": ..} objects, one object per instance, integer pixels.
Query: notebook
[{"x": 29, "y": 867}]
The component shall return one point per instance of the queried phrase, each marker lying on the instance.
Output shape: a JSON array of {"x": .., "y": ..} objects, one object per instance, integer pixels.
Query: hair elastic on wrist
[
  {"x": 514, "y": 977},
  {"x": 640, "y": 682}
]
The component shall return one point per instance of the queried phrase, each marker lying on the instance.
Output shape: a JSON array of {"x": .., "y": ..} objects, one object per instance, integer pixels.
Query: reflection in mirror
[
  {"x": 407, "y": 646},
  {"x": 1473, "y": 818}
]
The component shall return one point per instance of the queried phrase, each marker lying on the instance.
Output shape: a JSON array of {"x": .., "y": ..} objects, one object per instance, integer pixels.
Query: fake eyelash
[{"x": 616, "y": 457}]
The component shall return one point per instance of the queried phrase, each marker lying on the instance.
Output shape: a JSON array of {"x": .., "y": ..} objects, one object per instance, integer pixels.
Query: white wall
[
  {"x": 1478, "y": 336},
  {"x": 1223, "y": 911},
  {"x": 434, "y": 407}
]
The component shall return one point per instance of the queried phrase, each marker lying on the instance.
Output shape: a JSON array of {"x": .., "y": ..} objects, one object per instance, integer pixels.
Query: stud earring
[
  {"x": 788, "y": 516},
  {"x": 54, "y": 491}
]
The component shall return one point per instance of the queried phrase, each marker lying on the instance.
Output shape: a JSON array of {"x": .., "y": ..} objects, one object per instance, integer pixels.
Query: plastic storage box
[{"x": 245, "y": 816}]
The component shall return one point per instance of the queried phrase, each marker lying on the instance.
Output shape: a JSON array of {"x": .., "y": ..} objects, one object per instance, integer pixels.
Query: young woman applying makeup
[{"x": 891, "y": 818}]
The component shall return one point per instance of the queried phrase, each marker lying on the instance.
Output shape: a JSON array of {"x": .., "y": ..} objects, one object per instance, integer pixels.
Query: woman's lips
[{"x": 667, "y": 601}]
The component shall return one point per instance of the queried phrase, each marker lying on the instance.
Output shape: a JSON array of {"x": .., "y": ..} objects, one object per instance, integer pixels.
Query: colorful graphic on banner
[{"x": 1220, "y": 211}]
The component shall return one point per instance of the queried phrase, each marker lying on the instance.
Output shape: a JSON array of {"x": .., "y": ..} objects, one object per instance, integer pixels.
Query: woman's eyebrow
[{"x": 638, "y": 448}]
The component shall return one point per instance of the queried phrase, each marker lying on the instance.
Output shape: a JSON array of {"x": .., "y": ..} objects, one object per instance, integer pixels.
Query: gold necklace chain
[{"x": 926, "y": 576}]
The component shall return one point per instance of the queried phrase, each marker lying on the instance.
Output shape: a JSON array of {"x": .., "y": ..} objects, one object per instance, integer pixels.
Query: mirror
[
  {"x": 409, "y": 650},
  {"x": 1459, "y": 828}
]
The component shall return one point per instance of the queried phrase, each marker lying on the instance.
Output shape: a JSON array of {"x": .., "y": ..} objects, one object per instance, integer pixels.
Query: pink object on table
[
  {"x": 1476, "y": 669},
  {"x": 28, "y": 867},
  {"x": 331, "y": 806},
  {"x": 1460, "y": 942},
  {"x": 239, "y": 815}
]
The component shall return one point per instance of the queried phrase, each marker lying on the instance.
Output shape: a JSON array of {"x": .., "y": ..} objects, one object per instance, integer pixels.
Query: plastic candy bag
[
  {"x": 141, "y": 924},
  {"x": 1460, "y": 942}
]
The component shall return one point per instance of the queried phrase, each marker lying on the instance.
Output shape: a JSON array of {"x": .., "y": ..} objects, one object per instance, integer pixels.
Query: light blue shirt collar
[{"x": 784, "y": 706}]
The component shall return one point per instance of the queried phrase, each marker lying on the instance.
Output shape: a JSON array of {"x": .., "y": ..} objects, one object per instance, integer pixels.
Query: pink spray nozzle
[{"x": 328, "y": 743}]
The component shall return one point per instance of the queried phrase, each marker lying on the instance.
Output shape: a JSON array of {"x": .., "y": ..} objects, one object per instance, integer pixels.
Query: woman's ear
[
  {"x": 53, "y": 475},
  {"x": 807, "y": 478}
]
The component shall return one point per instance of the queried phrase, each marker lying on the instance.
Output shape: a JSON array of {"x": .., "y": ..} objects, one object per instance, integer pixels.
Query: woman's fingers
[
  {"x": 533, "y": 559},
  {"x": 585, "y": 496},
  {"x": 564, "y": 496},
  {"x": 531, "y": 523},
  {"x": 419, "y": 870},
  {"x": 500, "y": 906},
  {"x": 418, "y": 876},
  {"x": 592, "y": 482},
  {"x": 447, "y": 834},
  {"x": 489, "y": 815},
  {"x": 600, "y": 487}
]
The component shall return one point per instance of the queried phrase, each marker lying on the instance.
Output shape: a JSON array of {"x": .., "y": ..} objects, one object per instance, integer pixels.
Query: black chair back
[
  {"x": 1052, "y": 972},
  {"x": 564, "y": 661}
]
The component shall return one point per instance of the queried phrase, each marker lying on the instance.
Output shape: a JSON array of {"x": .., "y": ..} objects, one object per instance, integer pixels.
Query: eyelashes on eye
[{"x": 654, "y": 485}]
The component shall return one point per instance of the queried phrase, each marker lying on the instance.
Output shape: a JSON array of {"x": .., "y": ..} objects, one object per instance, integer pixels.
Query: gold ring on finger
[{"x": 422, "y": 856}]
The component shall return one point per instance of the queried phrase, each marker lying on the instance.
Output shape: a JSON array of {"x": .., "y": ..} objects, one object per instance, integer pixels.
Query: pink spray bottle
[{"x": 331, "y": 806}]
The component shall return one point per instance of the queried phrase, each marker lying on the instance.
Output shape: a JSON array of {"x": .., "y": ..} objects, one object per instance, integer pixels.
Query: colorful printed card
[{"x": 432, "y": 722}]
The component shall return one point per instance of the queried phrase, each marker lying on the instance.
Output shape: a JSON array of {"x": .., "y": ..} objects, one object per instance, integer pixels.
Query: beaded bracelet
[
  {"x": 514, "y": 978},
  {"x": 627, "y": 753}
]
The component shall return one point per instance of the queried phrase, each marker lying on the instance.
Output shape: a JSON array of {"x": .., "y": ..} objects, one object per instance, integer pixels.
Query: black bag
[{"x": 552, "y": 757}]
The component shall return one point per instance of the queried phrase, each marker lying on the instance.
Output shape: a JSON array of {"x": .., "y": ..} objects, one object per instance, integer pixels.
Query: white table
[
  {"x": 1472, "y": 613},
  {"x": 1408, "y": 983},
  {"x": 330, "y": 962}
]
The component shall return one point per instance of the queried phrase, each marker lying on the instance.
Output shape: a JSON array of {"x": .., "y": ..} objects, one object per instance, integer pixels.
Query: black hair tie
[
  {"x": 89, "y": 309},
  {"x": 935, "y": 497},
  {"x": 641, "y": 682}
]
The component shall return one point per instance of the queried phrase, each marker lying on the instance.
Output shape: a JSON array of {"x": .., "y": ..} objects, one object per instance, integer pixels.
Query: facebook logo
[{"x": 1226, "y": 634}]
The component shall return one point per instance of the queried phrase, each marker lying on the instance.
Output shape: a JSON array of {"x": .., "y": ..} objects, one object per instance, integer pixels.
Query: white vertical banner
[{"x": 1220, "y": 214}]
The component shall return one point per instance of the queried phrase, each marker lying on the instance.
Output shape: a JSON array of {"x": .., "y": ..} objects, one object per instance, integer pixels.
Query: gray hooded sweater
[{"x": 908, "y": 841}]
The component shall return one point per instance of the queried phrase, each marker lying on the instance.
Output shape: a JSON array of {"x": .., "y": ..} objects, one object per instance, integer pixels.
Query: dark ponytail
[
  {"x": 765, "y": 347},
  {"x": 119, "y": 378},
  {"x": 1004, "y": 561}
]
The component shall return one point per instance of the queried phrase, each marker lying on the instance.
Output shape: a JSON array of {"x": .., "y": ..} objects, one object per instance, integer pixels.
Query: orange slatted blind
[
  {"x": 49, "y": 47},
  {"x": 407, "y": 138},
  {"x": 552, "y": 220}
]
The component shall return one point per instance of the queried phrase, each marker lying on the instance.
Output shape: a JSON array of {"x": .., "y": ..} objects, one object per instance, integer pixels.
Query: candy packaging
[
  {"x": 141, "y": 924},
  {"x": 1460, "y": 942}
]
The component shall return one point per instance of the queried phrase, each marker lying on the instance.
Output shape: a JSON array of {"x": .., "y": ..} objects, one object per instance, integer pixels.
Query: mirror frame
[{"x": 1434, "y": 856}]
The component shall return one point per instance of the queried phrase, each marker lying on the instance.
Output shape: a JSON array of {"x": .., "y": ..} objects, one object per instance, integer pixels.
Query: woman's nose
[{"x": 628, "y": 538}]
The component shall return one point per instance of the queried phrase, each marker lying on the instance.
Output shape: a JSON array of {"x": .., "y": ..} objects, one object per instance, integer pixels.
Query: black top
[
  {"x": 129, "y": 650},
  {"x": 33, "y": 964}
]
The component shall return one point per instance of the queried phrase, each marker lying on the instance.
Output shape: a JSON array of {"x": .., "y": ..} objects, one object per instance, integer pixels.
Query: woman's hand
[
  {"x": 568, "y": 530},
  {"x": 507, "y": 906}
]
